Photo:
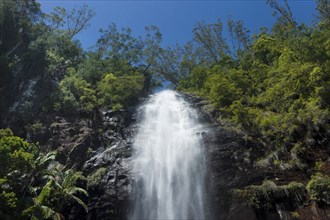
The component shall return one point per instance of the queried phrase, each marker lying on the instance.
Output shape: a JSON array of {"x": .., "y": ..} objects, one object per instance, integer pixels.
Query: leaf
[
  {"x": 74, "y": 190},
  {"x": 80, "y": 202},
  {"x": 47, "y": 212}
]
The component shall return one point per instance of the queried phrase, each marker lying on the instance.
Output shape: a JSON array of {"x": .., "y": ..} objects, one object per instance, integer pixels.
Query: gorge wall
[{"x": 102, "y": 149}]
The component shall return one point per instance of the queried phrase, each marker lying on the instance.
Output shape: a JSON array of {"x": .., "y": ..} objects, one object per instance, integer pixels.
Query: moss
[
  {"x": 295, "y": 215},
  {"x": 319, "y": 189},
  {"x": 100, "y": 131},
  {"x": 8, "y": 200},
  {"x": 268, "y": 194},
  {"x": 94, "y": 179},
  {"x": 319, "y": 165}
]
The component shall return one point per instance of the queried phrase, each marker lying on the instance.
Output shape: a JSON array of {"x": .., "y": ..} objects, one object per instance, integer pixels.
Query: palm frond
[
  {"x": 45, "y": 160},
  {"x": 70, "y": 178},
  {"x": 47, "y": 212},
  {"x": 45, "y": 192},
  {"x": 80, "y": 202},
  {"x": 29, "y": 210},
  {"x": 74, "y": 189}
]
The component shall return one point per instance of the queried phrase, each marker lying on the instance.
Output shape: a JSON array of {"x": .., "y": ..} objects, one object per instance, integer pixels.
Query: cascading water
[{"x": 169, "y": 161}]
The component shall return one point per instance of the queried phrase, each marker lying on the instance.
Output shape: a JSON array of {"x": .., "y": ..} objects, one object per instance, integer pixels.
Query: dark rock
[
  {"x": 230, "y": 158},
  {"x": 106, "y": 142},
  {"x": 115, "y": 154}
]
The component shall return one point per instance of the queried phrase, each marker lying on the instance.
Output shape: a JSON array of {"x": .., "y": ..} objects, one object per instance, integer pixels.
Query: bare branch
[{"x": 285, "y": 11}]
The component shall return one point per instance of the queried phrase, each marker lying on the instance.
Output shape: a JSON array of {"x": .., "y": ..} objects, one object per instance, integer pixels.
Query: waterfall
[{"x": 169, "y": 162}]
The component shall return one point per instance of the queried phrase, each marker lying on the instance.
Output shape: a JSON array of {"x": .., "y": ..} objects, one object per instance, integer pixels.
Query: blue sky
[{"x": 176, "y": 19}]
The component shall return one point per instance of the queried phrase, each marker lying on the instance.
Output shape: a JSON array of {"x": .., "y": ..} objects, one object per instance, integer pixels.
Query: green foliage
[
  {"x": 59, "y": 190},
  {"x": 122, "y": 91},
  {"x": 274, "y": 85},
  {"x": 75, "y": 94},
  {"x": 295, "y": 215},
  {"x": 275, "y": 88},
  {"x": 8, "y": 200},
  {"x": 195, "y": 81},
  {"x": 37, "y": 127},
  {"x": 93, "y": 68},
  {"x": 96, "y": 177},
  {"x": 43, "y": 203},
  {"x": 14, "y": 153},
  {"x": 29, "y": 187},
  {"x": 16, "y": 160},
  {"x": 267, "y": 194},
  {"x": 66, "y": 183},
  {"x": 319, "y": 188},
  {"x": 54, "y": 61},
  {"x": 265, "y": 49},
  {"x": 221, "y": 91},
  {"x": 210, "y": 40}
]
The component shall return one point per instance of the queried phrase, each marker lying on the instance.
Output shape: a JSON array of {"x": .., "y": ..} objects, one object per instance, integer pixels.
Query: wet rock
[
  {"x": 106, "y": 142},
  {"x": 111, "y": 202}
]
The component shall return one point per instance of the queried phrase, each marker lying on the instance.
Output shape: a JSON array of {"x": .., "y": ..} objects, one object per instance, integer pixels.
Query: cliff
[{"x": 238, "y": 188}]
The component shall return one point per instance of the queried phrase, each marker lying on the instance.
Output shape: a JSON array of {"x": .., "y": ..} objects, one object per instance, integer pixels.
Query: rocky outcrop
[
  {"x": 231, "y": 159},
  {"x": 101, "y": 148},
  {"x": 110, "y": 194}
]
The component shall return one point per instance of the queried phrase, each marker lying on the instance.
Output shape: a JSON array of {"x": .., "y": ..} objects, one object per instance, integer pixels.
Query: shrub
[
  {"x": 118, "y": 92},
  {"x": 14, "y": 153},
  {"x": 16, "y": 160},
  {"x": 268, "y": 194},
  {"x": 75, "y": 94},
  {"x": 319, "y": 189}
]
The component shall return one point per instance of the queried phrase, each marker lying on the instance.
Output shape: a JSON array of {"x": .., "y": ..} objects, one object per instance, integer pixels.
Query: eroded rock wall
[{"x": 102, "y": 148}]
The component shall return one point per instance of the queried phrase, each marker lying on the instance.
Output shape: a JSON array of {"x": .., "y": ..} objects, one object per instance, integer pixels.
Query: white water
[{"x": 169, "y": 161}]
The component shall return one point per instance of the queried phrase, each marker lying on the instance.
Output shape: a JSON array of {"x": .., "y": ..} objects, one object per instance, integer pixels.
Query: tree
[
  {"x": 120, "y": 53},
  {"x": 42, "y": 207},
  {"x": 16, "y": 160},
  {"x": 323, "y": 6},
  {"x": 151, "y": 51},
  {"x": 59, "y": 190},
  {"x": 241, "y": 41},
  {"x": 14, "y": 153},
  {"x": 286, "y": 16},
  {"x": 120, "y": 45},
  {"x": 168, "y": 64},
  {"x": 78, "y": 20},
  {"x": 220, "y": 88},
  {"x": 151, "y": 45},
  {"x": 75, "y": 94},
  {"x": 196, "y": 79},
  {"x": 22, "y": 181},
  {"x": 72, "y": 22},
  {"x": 122, "y": 91},
  {"x": 67, "y": 189},
  {"x": 17, "y": 19},
  {"x": 212, "y": 44}
]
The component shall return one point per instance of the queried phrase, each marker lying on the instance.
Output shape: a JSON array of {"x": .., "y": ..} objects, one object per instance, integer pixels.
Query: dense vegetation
[
  {"x": 30, "y": 187},
  {"x": 44, "y": 70},
  {"x": 43, "y": 56},
  {"x": 274, "y": 86}
]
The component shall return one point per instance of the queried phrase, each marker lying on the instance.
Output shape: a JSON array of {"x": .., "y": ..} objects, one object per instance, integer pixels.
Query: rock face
[
  {"x": 230, "y": 159},
  {"x": 110, "y": 194},
  {"x": 102, "y": 149}
]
